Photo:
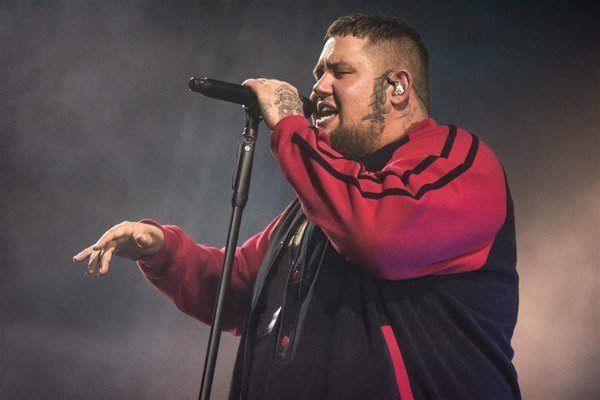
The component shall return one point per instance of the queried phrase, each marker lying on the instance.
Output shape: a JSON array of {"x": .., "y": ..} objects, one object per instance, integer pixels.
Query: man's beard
[{"x": 354, "y": 142}]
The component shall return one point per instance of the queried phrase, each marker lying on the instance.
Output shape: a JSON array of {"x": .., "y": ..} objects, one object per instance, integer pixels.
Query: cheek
[
  {"x": 355, "y": 92},
  {"x": 357, "y": 98}
]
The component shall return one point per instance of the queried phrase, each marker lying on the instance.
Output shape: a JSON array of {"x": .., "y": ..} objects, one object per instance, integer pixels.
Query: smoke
[
  {"x": 557, "y": 333},
  {"x": 97, "y": 126}
]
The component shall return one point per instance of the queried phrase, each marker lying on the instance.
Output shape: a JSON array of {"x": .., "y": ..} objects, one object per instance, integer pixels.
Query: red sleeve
[
  {"x": 434, "y": 208},
  {"x": 188, "y": 273}
]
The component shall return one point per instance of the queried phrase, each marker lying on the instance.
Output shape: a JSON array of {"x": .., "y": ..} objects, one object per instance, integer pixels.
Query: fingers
[
  {"x": 93, "y": 255},
  {"x": 93, "y": 262},
  {"x": 85, "y": 253},
  {"x": 254, "y": 82},
  {"x": 100, "y": 253},
  {"x": 264, "y": 83},
  {"x": 105, "y": 258},
  {"x": 127, "y": 239},
  {"x": 277, "y": 99},
  {"x": 101, "y": 256},
  {"x": 121, "y": 230}
]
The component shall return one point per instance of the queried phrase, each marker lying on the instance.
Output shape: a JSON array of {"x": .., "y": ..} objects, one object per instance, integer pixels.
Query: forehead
[{"x": 344, "y": 49}]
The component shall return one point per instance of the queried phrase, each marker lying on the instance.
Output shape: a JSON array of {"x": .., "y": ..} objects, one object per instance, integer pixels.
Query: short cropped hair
[{"x": 395, "y": 43}]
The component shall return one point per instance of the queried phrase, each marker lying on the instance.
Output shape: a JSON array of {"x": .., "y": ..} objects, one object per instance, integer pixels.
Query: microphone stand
[{"x": 241, "y": 185}]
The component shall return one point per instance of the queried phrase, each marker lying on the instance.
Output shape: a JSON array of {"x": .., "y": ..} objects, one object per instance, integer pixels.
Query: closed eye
[{"x": 342, "y": 73}]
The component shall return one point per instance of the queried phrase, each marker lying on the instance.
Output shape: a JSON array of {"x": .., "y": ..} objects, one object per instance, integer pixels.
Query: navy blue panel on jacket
[{"x": 453, "y": 331}]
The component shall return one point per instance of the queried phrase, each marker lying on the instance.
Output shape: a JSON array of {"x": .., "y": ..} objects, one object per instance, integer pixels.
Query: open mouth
[{"x": 324, "y": 113}]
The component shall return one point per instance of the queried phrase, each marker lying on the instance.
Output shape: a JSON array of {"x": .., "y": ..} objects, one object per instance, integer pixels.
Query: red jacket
[{"x": 428, "y": 216}]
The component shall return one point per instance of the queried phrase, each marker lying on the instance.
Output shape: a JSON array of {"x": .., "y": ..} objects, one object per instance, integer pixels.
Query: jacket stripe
[
  {"x": 399, "y": 368},
  {"x": 354, "y": 181},
  {"x": 423, "y": 165},
  {"x": 453, "y": 174}
]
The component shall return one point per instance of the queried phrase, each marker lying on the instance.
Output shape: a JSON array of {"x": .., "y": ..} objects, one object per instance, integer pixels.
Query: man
[{"x": 393, "y": 273}]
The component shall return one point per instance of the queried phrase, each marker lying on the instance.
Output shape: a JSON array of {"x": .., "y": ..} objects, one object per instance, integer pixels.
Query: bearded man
[{"x": 392, "y": 275}]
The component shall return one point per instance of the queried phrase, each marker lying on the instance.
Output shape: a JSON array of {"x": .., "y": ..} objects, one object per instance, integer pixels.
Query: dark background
[{"x": 97, "y": 126}]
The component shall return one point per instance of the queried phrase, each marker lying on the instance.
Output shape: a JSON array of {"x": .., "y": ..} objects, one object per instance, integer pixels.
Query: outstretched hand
[
  {"x": 276, "y": 99},
  {"x": 127, "y": 239}
]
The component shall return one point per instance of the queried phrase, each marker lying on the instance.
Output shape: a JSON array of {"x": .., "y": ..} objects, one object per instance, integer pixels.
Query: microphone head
[
  {"x": 197, "y": 85},
  {"x": 225, "y": 91},
  {"x": 235, "y": 93}
]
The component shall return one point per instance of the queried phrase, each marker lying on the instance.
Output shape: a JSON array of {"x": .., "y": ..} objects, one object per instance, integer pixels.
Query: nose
[{"x": 322, "y": 88}]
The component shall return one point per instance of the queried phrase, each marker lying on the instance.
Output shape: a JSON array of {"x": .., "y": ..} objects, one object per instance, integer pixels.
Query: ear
[{"x": 402, "y": 80}]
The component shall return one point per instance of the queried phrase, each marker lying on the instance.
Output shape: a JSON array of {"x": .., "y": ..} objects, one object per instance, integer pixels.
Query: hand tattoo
[
  {"x": 265, "y": 105},
  {"x": 377, "y": 104},
  {"x": 287, "y": 102}
]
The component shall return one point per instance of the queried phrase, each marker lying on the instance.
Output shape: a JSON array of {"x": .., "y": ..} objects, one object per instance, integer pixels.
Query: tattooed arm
[{"x": 277, "y": 99}]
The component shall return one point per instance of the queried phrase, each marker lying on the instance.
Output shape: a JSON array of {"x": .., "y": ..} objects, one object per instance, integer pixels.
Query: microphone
[{"x": 235, "y": 93}]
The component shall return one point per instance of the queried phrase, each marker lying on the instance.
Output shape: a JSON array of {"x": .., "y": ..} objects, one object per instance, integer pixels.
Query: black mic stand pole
[{"x": 241, "y": 185}]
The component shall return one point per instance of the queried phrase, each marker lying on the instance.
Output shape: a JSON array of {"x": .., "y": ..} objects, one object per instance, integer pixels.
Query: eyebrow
[{"x": 330, "y": 65}]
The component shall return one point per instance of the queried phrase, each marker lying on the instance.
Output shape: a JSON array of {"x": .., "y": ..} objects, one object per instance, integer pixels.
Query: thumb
[{"x": 143, "y": 240}]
